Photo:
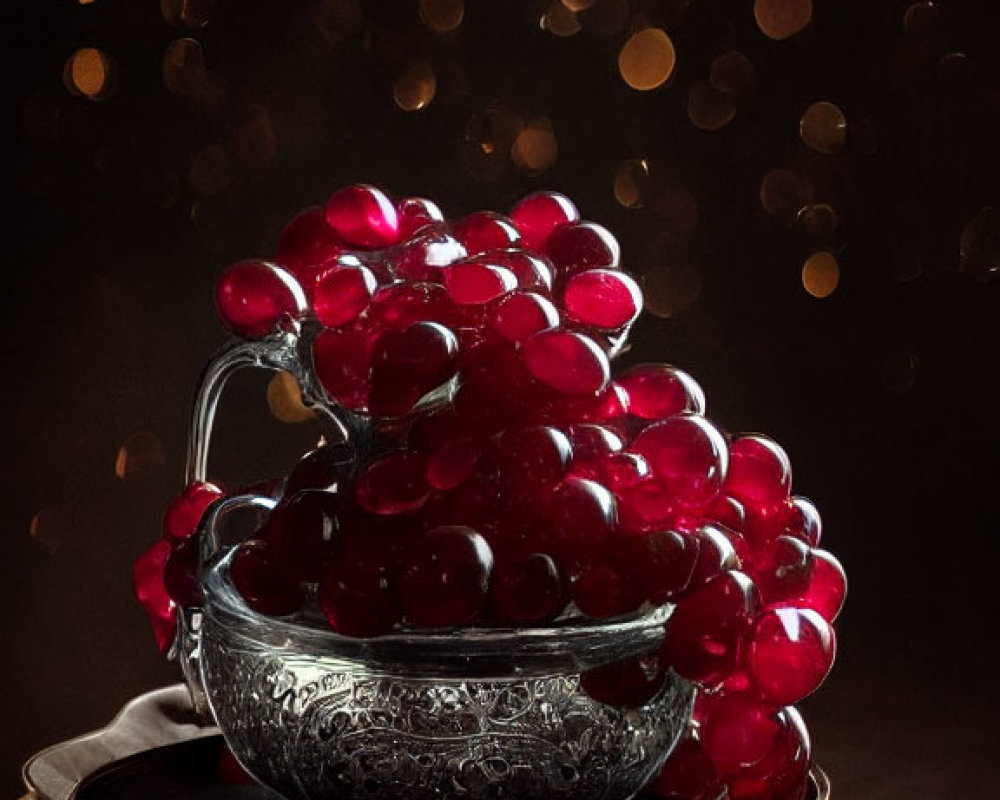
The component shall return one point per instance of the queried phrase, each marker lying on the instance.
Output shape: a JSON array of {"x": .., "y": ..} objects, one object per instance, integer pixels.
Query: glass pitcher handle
[
  {"x": 290, "y": 351},
  {"x": 187, "y": 645}
]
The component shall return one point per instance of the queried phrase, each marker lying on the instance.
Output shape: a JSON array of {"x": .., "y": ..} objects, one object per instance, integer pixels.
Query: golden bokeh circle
[
  {"x": 140, "y": 454},
  {"x": 284, "y": 398},
  {"x": 823, "y": 128},
  {"x": 783, "y": 193},
  {"x": 817, "y": 220},
  {"x": 669, "y": 290},
  {"x": 647, "y": 59},
  {"x": 184, "y": 67},
  {"x": 415, "y": 88},
  {"x": 979, "y": 243},
  {"x": 821, "y": 274},
  {"x": 535, "y": 149},
  {"x": 560, "y": 20},
  {"x": 782, "y": 19},
  {"x": 48, "y": 528},
  {"x": 708, "y": 108},
  {"x": 632, "y": 183},
  {"x": 442, "y": 16},
  {"x": 733, "y": 72},
  {"x": 90, "y": 73}
]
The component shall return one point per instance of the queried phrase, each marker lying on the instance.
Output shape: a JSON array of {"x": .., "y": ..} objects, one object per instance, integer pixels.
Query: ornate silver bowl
[{"x": 465, "y": 713}]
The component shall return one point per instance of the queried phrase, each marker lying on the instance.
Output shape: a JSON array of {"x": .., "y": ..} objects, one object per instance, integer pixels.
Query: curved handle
[
  {"x": 187, "y": 643},
  {"x": 208, "y": 534},
  {"x": 288, "y": 351}
]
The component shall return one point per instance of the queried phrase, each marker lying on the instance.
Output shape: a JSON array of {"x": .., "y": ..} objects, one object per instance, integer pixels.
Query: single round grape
[
  {"x": 307, "y": 245},
  {"x": 446, "y": 580},
  {"x": 760, "y": 473},
  {"x": 827, "y": 586},
  {"x": 185, "y": 511},
  {"x": 358, "y": 599},
  {"x": 520, "y": 314},
  {"x": 362, "y": 215},
  {"x": 567, "y": 362},
  {"x": 602, "y": 298},
  {"x": 663, "y": 561},
  {"x": 255, "y": 298},
  {"x": 343, "y": 291},
  {"x": 782, "y": 569},
  {"x": 407, "y": 364},
  {"x": 688, "y": 454},
  {"x": 527, "y": 589},
  {"x": 658, "y": 391},
  {"x": 393, "y": 484},
  {"x": 578, "y": 246},
  {"x": 486, "y": 230},
  {"x": 261, "y": 582},
  {"x": 708, "y": 629},
  {"x": 791, "y": 652},
  {"x": 302, "y": 532},
  {"x": 538, "y": 215},
  {"x": 605, "y": 588},
  {"x": 415, "y": 214},
  {"x": 180, "y": 573},
  {"x": 737, "y": 732}
]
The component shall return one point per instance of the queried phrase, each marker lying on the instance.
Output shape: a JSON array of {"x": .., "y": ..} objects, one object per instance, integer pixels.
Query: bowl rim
[{"x": 578, "y": 643}]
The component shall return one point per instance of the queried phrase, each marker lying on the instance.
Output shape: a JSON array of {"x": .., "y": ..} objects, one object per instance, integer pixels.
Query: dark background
[{"x": 124, "y": 206}]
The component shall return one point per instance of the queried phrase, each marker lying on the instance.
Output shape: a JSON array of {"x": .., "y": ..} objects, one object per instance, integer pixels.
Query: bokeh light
[
  {"x": 783, "y": 193},
  {"x": 925, "y": 27},
  {"x": 823, "y": 128},
  {"x": 338, "y": 20},
  {"x": 979, "y": 244},
  {"x": 821, "y": 274},
  {"x": 184, "y": 67},
  {"x": 818, "y": 221},
  {"x": 647, "y": 59},
  {"x": 284, "y": 398},
  {"x": 708, "y": 108},
  {"x": 442, "y": 16},
  {"x": 632, "y": 183},
  {"x": 733, "y": 72},
  {"x": 48, "y": 528},
  {"x": 559, "y": 20},
  {"x": 90, "y": 73},
  {"x": 140, "y": 454},
  {"x": 189, "y": 13},
  {"x": 256, "y": 140},
  {"x": 669, "y": 286},
  {"x": 679, "y": 209},
  {"x": 489, "y": 139},
  {"x": 782, "y": 19},
  {"x": 535, "y": 149},
  {"x": 416, "y": 87}
]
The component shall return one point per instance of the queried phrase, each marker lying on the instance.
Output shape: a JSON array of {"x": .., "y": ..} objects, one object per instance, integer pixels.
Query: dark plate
[
  {"x": 191, "y": 771},
  {"x": 188, "y": 770}
]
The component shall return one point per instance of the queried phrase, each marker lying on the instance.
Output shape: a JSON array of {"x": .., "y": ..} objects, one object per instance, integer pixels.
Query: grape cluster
[{"x": 517, "y": 482}]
